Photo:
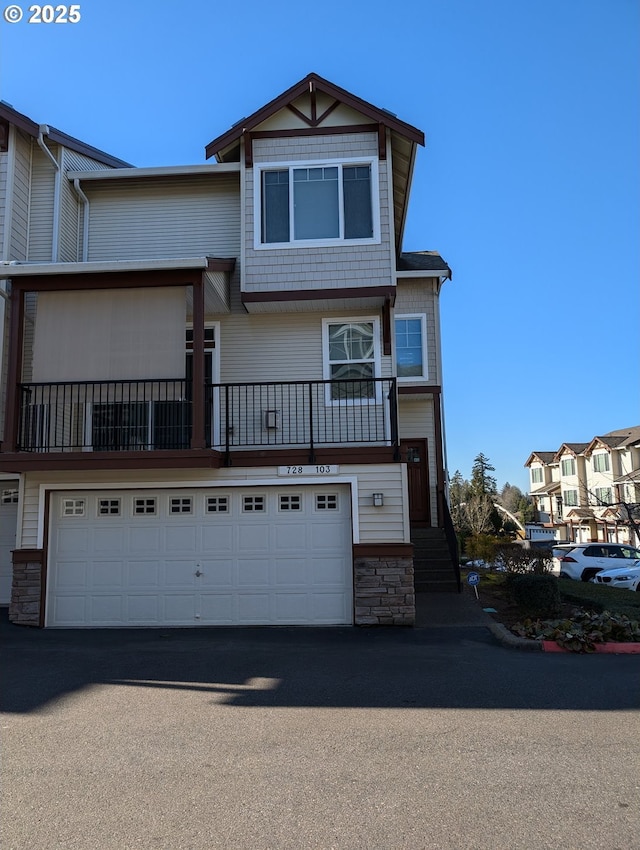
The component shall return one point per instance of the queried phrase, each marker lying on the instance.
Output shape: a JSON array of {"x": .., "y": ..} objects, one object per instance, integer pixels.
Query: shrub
[
  {"x": 582, "y": 631},
  {"x": 535, "y": 595},
  {"x": 481, "y": 547},
  {"x": 516, "y": 559}
]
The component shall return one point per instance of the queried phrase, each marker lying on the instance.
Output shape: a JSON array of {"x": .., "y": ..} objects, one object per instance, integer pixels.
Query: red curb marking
[{"x": 607, "y": 648}]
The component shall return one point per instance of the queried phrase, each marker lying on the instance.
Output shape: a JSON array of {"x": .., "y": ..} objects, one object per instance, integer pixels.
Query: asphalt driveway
[{"x": 314, "y": 738}]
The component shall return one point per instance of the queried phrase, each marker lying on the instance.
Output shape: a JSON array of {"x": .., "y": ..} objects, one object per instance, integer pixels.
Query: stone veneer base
[{"x": 384, "y": 593}]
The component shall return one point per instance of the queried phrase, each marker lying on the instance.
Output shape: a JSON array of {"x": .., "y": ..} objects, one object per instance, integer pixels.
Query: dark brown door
[{"x": 414, "y": 454}]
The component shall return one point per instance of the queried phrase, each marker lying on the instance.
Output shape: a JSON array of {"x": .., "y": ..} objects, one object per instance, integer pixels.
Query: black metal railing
[
  {"x": 452, "y": 541},
  {"x": 105, "y": 416},
  {"x": 146, "y": 415}
]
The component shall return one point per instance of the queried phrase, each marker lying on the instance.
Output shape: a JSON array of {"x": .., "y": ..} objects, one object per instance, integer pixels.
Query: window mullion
[{"x": 340, "y": 203}]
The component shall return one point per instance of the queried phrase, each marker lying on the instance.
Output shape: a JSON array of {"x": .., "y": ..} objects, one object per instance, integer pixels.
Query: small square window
[
  {"x": 180, "y": 505},
  {"x": 108, "y": 507},
  {"x": 327, "y": 502},
  {"x": 73, "y": 507},
  {"x": 291, "y": 503},
  {"x": 217, "y": 504},
  {"x": 144, "y": 506},
  {"x": 253, "y": 504},
  {"x": 9, "y": 497}
]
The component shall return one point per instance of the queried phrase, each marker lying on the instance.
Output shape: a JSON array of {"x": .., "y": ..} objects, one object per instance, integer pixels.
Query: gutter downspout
[
  {"x": 43, "y": 130},
  {"x": 85, "y": 221}
]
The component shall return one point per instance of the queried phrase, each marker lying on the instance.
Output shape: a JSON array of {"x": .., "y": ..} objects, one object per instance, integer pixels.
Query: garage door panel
[
  {"x": 180, "y": 574},
  {"x": 108, "y": 541},
  {"x": 292, "y": 608},
  {"x": 74, "y": 541},
  {"x": 143, "y": 609},
  {"x": 8, "y": 525},
  {"x": 219, "y": 609},
  {"x": 329, "y": 608},
  {"x": 291, "y": 572},
  {"x": 253, "y": 537},
  {"x": 289, "y": 563},
  {"x": 253, "y": 572},
  {"x": 217, "y": 538},
  {"x": 145, "y": 539},
  {"x": 72, "y": 575},
  {"x": 253, "y": 608},
  {"x": 143, "y": 575},
  {"x": 327, "y": 571},
  {"x": 107, "y": 610},
  {"x": 180, "y": 608},
  {"x": 70, "y": 610},
  {"x": 107, "y": 575},
  {"x": 290, "y": 537},
  {"x": 217, "y": 574},
  {"x": 182, "y": 540}
]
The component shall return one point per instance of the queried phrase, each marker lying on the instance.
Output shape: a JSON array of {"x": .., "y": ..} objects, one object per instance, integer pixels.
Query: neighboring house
[
  {"x": 223, "y": 398},
  {"x": 587, "y": 491}
]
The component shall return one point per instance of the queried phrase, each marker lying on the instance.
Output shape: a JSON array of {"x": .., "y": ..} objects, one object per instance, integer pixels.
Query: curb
[
  {"x": 508, "y": 639},
  {"x": 599, "y": 648}
]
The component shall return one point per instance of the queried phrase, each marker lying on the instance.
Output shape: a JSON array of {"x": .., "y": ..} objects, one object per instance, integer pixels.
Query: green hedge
[{"x": 535, "y": 595}]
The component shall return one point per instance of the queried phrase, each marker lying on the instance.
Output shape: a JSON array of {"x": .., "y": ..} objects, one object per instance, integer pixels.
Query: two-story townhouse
[
  {"x": 39, "y": 221},
  {"x": 544, "y": 488},
  {"x": 225, "y": 406},
  {"x": 596, "y": 489}
]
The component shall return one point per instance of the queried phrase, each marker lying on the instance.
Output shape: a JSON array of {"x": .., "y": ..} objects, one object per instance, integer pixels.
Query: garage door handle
[{"x": 198, "y": 573}]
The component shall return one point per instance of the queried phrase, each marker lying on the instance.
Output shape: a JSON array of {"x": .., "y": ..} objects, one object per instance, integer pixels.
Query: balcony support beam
[{"x": 197, "y": 389}]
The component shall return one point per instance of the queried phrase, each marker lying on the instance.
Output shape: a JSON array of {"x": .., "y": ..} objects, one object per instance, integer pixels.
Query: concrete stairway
[{"x": 434, "y": 570}]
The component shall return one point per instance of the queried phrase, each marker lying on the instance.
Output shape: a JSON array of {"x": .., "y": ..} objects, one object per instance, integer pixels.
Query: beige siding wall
[
  {"x": 417, "y": 296},
  {"x": 192, "y": 216},
  {"x": 377, "y": 525},
  {"x": 317, "y": 268},
  {"x": 42, "y": 202},
  {"x": 278, "y": 346},
  {"x": 21, "y": 190},
  {"x": 4, "y": 167}
]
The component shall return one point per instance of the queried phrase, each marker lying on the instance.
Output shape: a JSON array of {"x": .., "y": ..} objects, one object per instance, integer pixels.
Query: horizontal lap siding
[
  {"x": 418, "y": 297},
  {"x": 21, "y": 190},
  {"x": 43, "y": 178},
  {"x": 189, "y": 217},
  {"x": 4, "y": 164},
  {"x": 317, "y": 268},
  {"x": 382, "y": 525},
  {"x": 278, "y": 346}
]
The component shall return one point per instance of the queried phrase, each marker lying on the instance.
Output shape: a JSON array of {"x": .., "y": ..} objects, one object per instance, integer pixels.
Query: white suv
[{"x": 582, "y": 561}]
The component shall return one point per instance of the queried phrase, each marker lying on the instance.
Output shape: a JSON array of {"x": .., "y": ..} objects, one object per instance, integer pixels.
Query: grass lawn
[{"x": 574, "y": 594}]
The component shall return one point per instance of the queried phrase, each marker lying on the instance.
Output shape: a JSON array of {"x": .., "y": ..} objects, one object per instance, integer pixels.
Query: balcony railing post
[
  {"x": 312, "y": 454},
  {"x": 227, "y": 427}
]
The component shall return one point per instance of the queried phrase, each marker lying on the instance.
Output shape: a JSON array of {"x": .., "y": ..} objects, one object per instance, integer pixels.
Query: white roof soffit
[
  {"x": 19, "y": 269},
  {"x": 160, "y": 171}
]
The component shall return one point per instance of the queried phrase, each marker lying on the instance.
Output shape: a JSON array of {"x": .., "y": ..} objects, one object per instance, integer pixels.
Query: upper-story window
[
  {"x": 351, "y": 358},
  {"x": 568, "y": 466},
  {"x": 411, "y": 358},
  {"x": 309, "y": 203},
  {"x": 536, "y": 475},
  {"x": 601, "y": 462}
]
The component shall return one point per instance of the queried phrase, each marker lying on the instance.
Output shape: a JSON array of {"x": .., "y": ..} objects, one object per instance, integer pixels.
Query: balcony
[{"x": 139, "y": 416}]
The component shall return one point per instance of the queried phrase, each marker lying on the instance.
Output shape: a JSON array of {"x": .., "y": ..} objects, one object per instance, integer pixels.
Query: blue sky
[{"x": 528, "y": 185}]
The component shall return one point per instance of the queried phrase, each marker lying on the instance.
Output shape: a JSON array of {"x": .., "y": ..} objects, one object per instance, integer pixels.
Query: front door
[{"x": 414, "y": 454}]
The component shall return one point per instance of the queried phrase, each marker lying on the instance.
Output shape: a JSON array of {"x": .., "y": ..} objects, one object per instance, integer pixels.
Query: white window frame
[
  {"x": 601, "y": 458},
  {"x": 537, "y": 475},
  {"x": 260, "y": 168},
  {"x": 377, "y": 360},
  {"x": 568, "y": 460},
  {"x": 423, "y": 331}
]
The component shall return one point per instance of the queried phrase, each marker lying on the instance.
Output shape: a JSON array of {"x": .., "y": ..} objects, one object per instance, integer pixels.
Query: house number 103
[{"x": 311, "y": 469}]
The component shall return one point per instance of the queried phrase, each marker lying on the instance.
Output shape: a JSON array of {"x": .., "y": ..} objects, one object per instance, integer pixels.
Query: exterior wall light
[{"x": 378, "y": 500}]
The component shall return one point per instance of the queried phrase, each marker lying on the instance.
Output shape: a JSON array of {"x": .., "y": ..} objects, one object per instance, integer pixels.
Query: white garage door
[
  {"x": 8, "y": 523},
  {"x": 245, "y": 556}
]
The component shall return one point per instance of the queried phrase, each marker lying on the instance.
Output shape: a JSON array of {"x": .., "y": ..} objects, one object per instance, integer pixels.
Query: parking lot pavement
[{"x": 313, "y": 738}]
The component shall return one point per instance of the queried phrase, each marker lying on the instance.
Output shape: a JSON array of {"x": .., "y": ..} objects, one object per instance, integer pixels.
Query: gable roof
[
  {"x": 544, "y": 457},
  {"x": 312, "y": 83},
  {"x": 571, "y": 448},
  {"x": 9, "y": 115}
]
